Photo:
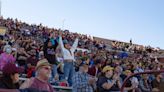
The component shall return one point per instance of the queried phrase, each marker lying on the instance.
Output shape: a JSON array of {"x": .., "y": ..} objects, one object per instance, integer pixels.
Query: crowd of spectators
[
  {"x": 76, "y": 60},
  {"x": 133, "y": 48}
]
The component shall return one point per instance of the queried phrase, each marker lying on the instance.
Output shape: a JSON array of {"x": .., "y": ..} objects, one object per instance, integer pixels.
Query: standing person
[
  {"x": 131, "y": 42},
  {"x": 82, "y": 82},
  {"x": 68, "y": 55},
  {"x": 40, "y": 82},
  {"x": 49, "y": 52},
  {"x": 10, "y": 77}
]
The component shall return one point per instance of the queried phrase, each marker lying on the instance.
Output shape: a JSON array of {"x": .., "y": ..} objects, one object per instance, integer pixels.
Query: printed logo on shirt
[{"x": 50, "y": 51}]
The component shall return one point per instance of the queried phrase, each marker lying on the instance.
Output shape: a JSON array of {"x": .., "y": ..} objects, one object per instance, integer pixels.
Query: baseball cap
[
  {"x": 65, "y": 41},
  {"x": 83, "y": 63},
  {"x": 127, "y": 71},
  {"x": 107, "y": 68},
  {"x": 11, "y": 68}
]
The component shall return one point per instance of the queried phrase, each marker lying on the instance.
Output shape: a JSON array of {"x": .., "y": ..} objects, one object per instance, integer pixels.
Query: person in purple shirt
[{"x": 6, "y": 57}]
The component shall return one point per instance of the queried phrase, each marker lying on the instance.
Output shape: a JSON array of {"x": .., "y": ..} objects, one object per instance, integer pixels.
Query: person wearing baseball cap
[
  {"x": 109, "y": 81},
  {"x": 10, "y": 76},
  {"x": 82, "y": 81},
  {"x": 127, "y": 72},
  {"x": 107, "y": 68},
  {"x": 40, "y": 82}
]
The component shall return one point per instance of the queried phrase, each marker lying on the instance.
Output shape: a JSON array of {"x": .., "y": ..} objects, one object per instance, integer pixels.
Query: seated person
[
  {"x": 6, "y": 56},
  {"x": 10, "y": 77},
  {"x": 144, "y": 84},
  {"x": 156, "y": 82},
  {"x": 109, "y": 81},
  {"x": 40, "y": 82},
  {"x": 132, "y": 84}
]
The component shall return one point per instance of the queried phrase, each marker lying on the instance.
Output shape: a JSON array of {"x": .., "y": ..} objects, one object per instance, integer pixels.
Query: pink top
[{"x": 6, "y": 58}]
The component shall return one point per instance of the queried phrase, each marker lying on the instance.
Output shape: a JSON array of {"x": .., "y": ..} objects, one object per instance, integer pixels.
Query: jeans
[
  {"x": 54, "y": 71},
  {"x": 68, "y": 71}
]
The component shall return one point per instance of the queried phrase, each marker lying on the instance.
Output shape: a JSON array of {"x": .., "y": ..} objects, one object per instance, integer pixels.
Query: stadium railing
[{"x": 147, "y": 72}]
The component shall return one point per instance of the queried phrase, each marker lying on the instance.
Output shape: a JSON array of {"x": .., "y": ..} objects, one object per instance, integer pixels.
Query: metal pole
[
  {"x": 63, "y": 24},
  {"x": 146, "y": 72}
]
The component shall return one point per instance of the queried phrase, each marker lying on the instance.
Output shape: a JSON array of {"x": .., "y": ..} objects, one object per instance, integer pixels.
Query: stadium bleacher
[{"x": 25, "y": 37}]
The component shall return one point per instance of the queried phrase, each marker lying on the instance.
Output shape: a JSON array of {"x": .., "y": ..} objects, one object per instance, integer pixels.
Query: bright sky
[{"x": 141, "y": 20}]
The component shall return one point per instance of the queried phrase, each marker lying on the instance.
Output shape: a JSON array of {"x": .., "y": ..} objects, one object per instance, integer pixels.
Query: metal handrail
[{"x": 147, "y": 72}]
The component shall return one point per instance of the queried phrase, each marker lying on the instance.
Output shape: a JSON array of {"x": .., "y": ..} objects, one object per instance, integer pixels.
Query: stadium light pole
[{"x": 63, "y": 24}]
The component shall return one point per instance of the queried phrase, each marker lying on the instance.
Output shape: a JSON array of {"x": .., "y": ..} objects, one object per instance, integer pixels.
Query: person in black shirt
[
  {"x": 156, "y": 82},
  {"x": 130, "y": 86},
  {"x": 109, "y": 81},
  {"x": 49, "y": 52}
]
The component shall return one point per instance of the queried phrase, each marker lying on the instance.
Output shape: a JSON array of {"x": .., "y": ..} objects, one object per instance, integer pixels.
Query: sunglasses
[{"x": 47, "y": 68}]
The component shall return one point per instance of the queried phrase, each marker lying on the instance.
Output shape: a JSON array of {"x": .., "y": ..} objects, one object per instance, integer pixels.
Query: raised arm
[
  {"x": 61, "y": 42},
  {"x": 75, "y": 44}
]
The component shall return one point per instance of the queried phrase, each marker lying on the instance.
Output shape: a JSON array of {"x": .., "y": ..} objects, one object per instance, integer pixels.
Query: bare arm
[
  {"x": 107, "y": 85},
  {"x": 75, "y": 44},
  {"x": 61, "y": 43},
  {"x": 27, "y": 83}
]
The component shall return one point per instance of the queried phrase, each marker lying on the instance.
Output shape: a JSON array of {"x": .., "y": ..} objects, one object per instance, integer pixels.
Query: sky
[{"x": 139, "y": 20}]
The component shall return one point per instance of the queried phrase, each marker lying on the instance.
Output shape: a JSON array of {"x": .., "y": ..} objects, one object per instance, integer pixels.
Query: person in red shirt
[
  {"x": 40, "y": 82},
  {"x": 94, "y": 70}
]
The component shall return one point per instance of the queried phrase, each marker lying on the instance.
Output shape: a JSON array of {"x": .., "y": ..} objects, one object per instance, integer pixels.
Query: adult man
[
  {"x": 68, "y": 55},
  {"x": 82, "y": 82},
  {"x": 110, "y": 81},
  {"x": 157, "y": 82},
  {"x": 40, "y": 82}
]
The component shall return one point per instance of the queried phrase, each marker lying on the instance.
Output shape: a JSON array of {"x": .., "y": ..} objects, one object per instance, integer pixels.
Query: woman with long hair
[{"x": 10, "y": 77}]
